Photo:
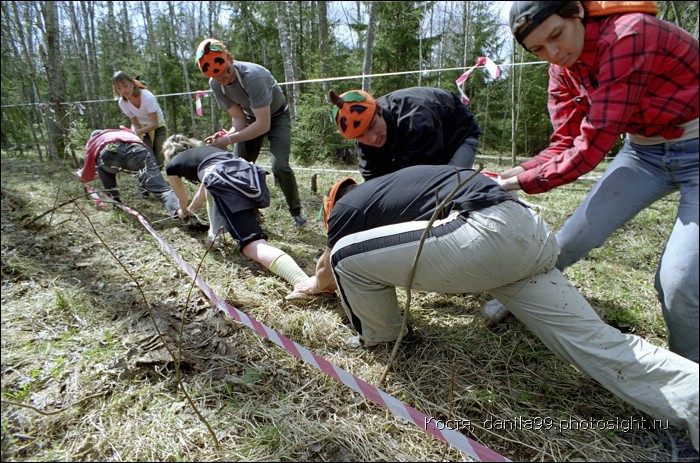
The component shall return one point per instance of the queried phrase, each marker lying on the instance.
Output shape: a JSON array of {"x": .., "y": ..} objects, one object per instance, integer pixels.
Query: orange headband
[
  {"x": 329, "y": 200},
  {"x": 212, "y": 57},
  {"x": 353, "y": 112},
  {"x": 609, "y": 8}
]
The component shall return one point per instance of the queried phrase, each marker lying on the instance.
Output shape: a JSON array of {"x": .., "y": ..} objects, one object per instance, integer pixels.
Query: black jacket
[
  {"x": 237, "y": 182},
  {"x": 424, "y": 126}
]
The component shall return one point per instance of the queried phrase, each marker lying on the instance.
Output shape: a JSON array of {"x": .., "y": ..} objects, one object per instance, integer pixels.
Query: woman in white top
[{"x": 142, "y": 109}]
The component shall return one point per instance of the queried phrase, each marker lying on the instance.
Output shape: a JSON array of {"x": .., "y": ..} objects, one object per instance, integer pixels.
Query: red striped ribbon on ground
[{"x": 428, "y": 424}]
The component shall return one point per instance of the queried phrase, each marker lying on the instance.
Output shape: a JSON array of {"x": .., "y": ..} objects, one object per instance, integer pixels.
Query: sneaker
[
  {"x": 354, "y": 342},
  {"x": 299, "y": 220},
  {"x": 493, "y": 311},
  {"x": 411, "y": 338}
]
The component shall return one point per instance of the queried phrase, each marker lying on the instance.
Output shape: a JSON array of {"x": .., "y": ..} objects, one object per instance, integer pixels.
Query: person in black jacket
[
  {"x": 407, "y": 127},
  {"x": 183, "y": 156}
]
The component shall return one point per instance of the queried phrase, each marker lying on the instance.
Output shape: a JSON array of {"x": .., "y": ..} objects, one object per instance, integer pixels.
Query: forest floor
[{"x": 94, "y": 314}]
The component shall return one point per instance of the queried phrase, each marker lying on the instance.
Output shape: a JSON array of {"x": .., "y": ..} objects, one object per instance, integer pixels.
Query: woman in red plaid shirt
[{"x": 614, "y": 70}]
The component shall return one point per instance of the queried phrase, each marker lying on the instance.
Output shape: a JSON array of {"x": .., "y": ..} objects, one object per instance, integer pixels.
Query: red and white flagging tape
[{"x": 397, "y": 407}]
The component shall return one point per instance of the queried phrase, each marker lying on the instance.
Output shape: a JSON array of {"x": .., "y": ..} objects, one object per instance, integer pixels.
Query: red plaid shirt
[{"x": 636, "y": 74}]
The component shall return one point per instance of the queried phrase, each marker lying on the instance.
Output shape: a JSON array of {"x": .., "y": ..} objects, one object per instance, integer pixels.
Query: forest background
[{"x": 58, "y": 59}]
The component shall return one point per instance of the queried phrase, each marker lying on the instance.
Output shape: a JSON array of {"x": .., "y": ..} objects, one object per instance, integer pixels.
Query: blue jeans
[
  {"x": 637, "y": 177},
  {"x": 137, "y": 160}
]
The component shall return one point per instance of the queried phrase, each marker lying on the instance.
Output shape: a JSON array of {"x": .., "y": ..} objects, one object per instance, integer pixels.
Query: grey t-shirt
[{"x": 254, "y": 87}]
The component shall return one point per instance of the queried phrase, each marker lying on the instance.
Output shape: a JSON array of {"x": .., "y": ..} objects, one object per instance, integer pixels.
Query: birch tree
[
  {"x": 24, "y": 38},
  {"x": 465, "y": 31},
  {"x": 87, "y": 11},
  {"x": 182, "y": 51}
]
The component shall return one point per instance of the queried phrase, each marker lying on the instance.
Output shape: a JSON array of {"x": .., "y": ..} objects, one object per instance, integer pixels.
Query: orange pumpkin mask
[
  {"x": 353, "y": 112},
  {"x": 212, "y": 57}
]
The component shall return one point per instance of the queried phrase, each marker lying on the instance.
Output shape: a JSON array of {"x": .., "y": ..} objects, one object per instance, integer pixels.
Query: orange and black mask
[
  {"x": 212, "y": 57},
  {"x": 353, "y": 112}
]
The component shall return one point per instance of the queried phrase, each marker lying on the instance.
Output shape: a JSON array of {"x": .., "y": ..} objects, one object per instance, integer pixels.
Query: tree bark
[
  {"x": 89, "y": 86},
  {"x": 369, "y": 45},
  {"x": 51, "y": 55},
  {"x": 182, "y": 52},
  {"x": 287, "y": 56},
  {"x": 466, "y": 26},
  {"x": 110, "y": 33},
  {"x": 127, "y": 27}
]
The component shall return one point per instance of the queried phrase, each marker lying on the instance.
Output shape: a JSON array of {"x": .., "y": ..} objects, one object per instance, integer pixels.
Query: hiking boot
[
  {"x": 493, "y": 311},
  {"x": 299, "y": 220}
]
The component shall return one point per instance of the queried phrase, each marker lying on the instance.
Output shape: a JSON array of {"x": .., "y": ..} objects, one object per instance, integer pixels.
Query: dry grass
[{"x": 78, "y": 342}]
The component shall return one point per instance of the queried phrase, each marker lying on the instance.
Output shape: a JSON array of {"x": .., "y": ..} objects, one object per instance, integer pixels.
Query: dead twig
[
  {"x": 155, "y": 324},
  {"x": 65, "y": 203},
  {"x": 55, "y": 412}
]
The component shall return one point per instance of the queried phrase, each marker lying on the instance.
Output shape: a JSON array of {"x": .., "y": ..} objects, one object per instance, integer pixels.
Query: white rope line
[{"x": 328, "y": 79}]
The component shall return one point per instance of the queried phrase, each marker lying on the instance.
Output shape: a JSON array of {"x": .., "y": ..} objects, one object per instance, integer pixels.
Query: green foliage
[
  {"x": 533, "y": 130},
  {"x": 62, "y": 303},
  {"x": 315, "y": 137},
  {"x": 396, "y": 44},
  {"x": 159, "y": 46},
  {"x": 684, "y": 14},
  {"x": 253, "y": 35}
]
